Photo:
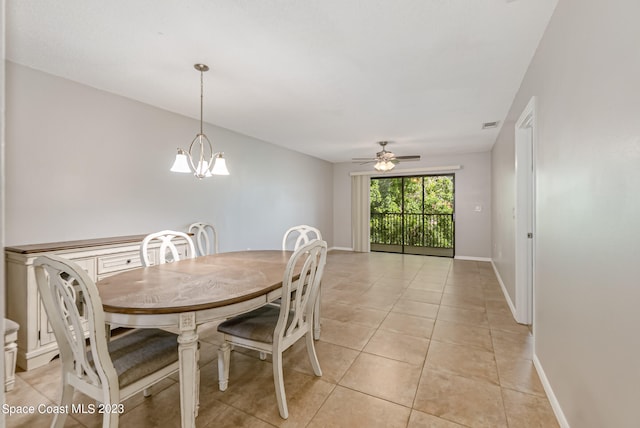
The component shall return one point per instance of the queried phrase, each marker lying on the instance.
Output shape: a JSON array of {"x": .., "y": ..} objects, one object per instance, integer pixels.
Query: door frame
[{"x": 525, "y": 169}]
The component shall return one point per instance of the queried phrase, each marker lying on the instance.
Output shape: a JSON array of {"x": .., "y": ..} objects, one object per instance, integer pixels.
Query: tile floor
[{"x": 407, "y": 341}]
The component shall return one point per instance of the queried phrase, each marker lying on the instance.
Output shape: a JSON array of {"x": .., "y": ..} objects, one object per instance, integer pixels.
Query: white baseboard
[
  {"x": 477, "y": 259},
  {"x": 340, "y": 249},
  {"x": 555, "y": 405},
  {"x": 504, "y": 291}
]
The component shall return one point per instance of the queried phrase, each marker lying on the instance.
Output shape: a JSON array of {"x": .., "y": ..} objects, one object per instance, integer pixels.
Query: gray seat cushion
[
  {"x": 257, "y": 325},
  {"x": 141, "y": 353}
]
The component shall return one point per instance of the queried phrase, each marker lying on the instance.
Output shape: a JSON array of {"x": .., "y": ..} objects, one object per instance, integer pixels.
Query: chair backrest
[
  {"x": 300, "y": 235},
  {"x": 168, "y": 251},
  {"x": 206, "y": 238},
  {"x": 71, "y": 301},
  {"x": 306, "y": 266}
]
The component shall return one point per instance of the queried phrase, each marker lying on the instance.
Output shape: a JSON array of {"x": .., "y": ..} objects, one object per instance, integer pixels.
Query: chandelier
[{"x": 200, "y": 159}]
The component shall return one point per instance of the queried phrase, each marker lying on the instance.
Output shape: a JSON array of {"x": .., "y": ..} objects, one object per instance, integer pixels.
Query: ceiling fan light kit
[
  {"x": 385, "y": 160},
  {"x": 384, "y": 166}
]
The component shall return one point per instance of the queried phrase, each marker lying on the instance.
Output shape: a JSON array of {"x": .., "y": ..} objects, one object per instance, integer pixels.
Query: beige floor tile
[
  {"x": 28, "y": 399},
  {"x": 349, "y": 284},
  {"x": 420, "y": 309},
  {"x": 220, "y": 415},
  {"x": 498, "y": 306},
  {"x": 400, "y": 273},
  {"x": 408, "y": 324},
  {"x": 524, "y": 410},
  {"x": 469, "y": 402},
  {"x": 349, "y": 335},
  {"x": 391, "y": 380},
  {"x": 252, "y": 391},
  {"x": 378, "y": 299},
  {"x": 465, "y": 316},
  {"x": 346, "y": 297},
  {"x": 334, "y": 360},
  {"x": 426, "y": 296},
  {"x": 492, "y": 285},
  {"x": 463, "y": 361},
  {"x": 465, "y": 282},
  {"x": 465, "y": 291},
  {"x": 495, "y": 294},
  {"x": 508, "y": 345},
  {"x": 347, "y": 408},
  {"x": 519, "y": 375},
  {"x": 47, "y": 380},
  {"x": 426, "y": 285},
  {"x": 354, "y": 314},
  {"x": 463, "y": 334},
  {"x": 399, "y": 347},
  {"x": 505, "y": 322},
  {"x": 431, "y": 275},
  {"x": 462, "y": 301},
  {"x": 156, "y": 410},
  {"x": 390, "y": 282},
  {"x": 424, "y": 420},
  {"x": 463, "y": 277}
]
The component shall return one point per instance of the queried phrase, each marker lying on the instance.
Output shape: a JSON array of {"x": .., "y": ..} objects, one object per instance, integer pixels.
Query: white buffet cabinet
[{"x": 99, "y": 257}]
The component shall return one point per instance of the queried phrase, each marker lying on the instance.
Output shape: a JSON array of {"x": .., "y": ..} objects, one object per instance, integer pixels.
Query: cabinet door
[{"x": 46, "y": 332}]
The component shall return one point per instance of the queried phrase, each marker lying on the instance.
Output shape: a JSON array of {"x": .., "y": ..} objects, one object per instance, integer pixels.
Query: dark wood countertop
[{"x": 69, "y": 245}]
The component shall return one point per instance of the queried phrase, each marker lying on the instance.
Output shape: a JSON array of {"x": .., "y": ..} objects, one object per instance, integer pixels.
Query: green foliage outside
[{"x": 418, "y": 216}]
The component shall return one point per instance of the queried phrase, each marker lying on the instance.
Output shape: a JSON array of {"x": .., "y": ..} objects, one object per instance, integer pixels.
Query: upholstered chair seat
[{"x": 140, "y": 353}]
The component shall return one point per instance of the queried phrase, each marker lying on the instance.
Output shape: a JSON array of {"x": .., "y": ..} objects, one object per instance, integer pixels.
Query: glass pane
[
  {"x": 438, "y": 195},
  {"x": 386, "y": 211}
]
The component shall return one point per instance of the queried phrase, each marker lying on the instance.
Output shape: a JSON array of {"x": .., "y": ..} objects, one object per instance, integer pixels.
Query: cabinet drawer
[{"x": 119, "y": 262}]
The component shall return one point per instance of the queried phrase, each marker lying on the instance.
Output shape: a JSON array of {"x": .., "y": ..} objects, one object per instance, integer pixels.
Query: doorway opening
[{"x": 413, "y": 215}]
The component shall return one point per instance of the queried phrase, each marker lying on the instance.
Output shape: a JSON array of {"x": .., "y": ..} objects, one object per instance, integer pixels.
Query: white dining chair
[
  {"x": 10, "y": 353},
  {"x": 168, "y": 251},
  {"x": 108, "y": 372},
  {"x": 206, "y": 238},
  {"x": 273, "y": 329},
  {"x": 299, "y": 235}
]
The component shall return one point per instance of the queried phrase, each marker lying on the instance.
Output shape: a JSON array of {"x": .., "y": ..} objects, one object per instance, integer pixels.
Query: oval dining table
[{"x": 184, "y": 294}]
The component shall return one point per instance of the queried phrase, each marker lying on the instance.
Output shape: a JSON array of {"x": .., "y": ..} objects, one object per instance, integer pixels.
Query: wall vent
[{"x": 490, "y": 125}]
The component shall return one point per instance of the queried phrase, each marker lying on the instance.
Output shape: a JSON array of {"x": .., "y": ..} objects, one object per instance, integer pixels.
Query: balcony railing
[{"x": 414, "y": 230}]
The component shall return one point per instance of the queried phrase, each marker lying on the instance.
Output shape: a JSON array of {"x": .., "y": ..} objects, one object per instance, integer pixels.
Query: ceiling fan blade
[
  {"x": 408, "y": 158},
  {"x": 363, "y": 159}
]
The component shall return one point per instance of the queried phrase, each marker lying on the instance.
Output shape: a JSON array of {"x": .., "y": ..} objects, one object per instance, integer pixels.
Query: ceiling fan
[{"x": 385, "y": 160}]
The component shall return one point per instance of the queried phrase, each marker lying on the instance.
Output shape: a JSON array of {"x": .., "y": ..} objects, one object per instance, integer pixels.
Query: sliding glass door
[{"x": 413, "y": 215}]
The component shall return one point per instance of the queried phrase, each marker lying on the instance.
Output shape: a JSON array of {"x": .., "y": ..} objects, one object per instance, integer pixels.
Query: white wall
[
  {"x": 83, "y": 163},
  {"x": 586, "y": 77},
  {"x": 473, "y": 187}
]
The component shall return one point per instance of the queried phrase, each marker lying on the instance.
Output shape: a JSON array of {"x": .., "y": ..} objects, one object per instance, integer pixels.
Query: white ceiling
[{"x": 324, "y": 77}]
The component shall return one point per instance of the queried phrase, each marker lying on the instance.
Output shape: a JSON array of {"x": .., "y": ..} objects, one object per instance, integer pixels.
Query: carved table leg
[
  {"x": 224, "y": 353},
  {"x": 189, "y": 382}
]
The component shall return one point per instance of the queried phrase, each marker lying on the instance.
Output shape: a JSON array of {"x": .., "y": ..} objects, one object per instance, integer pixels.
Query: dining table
[{"x": 185, "y": 294}]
